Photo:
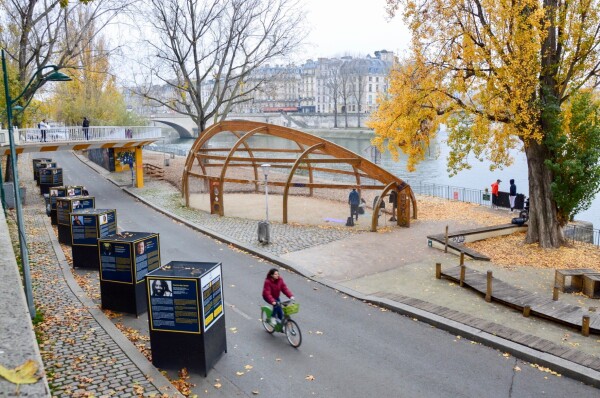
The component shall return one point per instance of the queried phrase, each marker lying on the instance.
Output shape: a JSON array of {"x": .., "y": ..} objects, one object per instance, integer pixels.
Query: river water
[{"x": 430, "y": 171}]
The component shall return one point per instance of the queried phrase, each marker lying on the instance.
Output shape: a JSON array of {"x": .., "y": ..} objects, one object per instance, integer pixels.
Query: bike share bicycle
[{"x": 287, "y": 324}]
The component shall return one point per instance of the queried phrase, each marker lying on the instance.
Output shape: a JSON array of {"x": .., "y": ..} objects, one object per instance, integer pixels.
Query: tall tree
[
  {"x": 205, "y": 51},
  {"x": 333, "y": 83},
  {"x": 499, "y": 74},
  {"x": 37, "y": 34}
]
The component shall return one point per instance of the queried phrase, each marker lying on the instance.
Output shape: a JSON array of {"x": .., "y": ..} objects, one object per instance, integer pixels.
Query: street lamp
[
  {"x": 264, "y": 233},
  {"x": 55, "y": 76}
]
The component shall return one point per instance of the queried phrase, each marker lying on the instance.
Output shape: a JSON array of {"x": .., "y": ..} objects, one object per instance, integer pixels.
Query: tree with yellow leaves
[{"x": 500, "y": 75}]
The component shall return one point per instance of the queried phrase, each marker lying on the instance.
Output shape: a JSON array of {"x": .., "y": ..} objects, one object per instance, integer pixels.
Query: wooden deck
[{"x": 514, "y": 297}]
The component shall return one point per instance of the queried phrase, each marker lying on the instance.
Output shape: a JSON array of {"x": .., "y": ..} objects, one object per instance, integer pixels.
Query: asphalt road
[{"x": 349, "y": 349}]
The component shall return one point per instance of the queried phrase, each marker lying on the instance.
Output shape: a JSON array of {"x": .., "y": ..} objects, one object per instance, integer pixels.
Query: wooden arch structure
[{"x": 241, "y": 154}]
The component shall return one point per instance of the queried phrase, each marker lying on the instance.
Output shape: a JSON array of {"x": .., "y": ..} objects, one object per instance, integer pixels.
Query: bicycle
[{"x": 287, "y": 324}]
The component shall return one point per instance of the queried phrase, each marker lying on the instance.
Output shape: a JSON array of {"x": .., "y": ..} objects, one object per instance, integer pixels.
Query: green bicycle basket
[{"x": 291, "y": 309}]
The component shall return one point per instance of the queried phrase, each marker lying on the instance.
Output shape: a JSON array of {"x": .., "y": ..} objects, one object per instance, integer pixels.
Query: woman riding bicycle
[{"x": 272, "y": 288}]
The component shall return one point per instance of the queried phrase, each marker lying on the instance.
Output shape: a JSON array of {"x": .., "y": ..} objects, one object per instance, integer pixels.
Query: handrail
[{"x": 77, "y": 133}]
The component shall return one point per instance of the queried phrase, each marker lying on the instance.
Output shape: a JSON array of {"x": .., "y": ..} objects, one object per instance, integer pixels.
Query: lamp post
[
  {"x": 53, "y": 76},
  {"x": 264, "y": 233}
]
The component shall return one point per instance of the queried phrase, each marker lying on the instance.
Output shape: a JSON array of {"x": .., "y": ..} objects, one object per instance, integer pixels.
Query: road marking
[{"x": 235, "y": 309}]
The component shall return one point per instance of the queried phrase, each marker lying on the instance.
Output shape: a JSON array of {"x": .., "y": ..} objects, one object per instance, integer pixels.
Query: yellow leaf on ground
[
  {"x": 23, "y": 374},
  {"x": 310, "y": 377}
]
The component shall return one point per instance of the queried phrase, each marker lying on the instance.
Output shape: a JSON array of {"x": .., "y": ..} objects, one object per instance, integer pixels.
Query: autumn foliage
[{"x": 490, "y": 71}]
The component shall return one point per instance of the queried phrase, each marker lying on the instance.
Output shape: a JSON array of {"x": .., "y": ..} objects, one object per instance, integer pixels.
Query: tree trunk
[{"x": 543, "y": 226}]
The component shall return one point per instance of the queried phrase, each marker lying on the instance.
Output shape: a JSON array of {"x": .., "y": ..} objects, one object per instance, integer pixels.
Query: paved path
[{"x": 84, "y": 354}]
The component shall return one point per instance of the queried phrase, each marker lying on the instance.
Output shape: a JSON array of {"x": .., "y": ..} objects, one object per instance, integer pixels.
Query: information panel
[
  {"x": 65, "y": 206},
  {"x": 174, "y": 305},
  {"x": 115, "y": 262},
  {"x": 147, "y": 257},
  {"x": 87, "y": 225},
  {"x": 84, "y": 229},
  {"x": 108, "y": 225},
  {"x": 212, "y": 299}
]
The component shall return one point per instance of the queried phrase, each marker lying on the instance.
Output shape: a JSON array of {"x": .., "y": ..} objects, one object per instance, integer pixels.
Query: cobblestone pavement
[
  {"x": 286, "y": 237},
  {"x": 80, "y": 357}
]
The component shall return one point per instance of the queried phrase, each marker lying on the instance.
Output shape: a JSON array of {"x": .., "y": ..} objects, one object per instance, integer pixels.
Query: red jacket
[
  {"x": 273, "y": 288},
  {"x": 495, "y": 189}
]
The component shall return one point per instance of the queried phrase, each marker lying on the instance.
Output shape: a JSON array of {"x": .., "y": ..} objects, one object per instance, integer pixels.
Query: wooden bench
[
  {"x": 152, "y": 170},
  {"x": 576, "y": 275},
  {"x": 591, "y": 285}
]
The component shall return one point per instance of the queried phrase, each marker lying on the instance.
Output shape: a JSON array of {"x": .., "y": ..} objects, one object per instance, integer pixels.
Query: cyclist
[{"x": 272, "y": 288}]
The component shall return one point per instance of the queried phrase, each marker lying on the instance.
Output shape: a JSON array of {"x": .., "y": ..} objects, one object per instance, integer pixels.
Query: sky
[{"x": 352, "y": 27}]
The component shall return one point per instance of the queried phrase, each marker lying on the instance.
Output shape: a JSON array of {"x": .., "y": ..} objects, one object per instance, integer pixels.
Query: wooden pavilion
[{"x": 309, "y": 154}]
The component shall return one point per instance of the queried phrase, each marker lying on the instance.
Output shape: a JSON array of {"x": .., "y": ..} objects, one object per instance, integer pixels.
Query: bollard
[
  {"x": 488, "y": 293},
  {"x": 438, "y": 270},
  {"x": 585, "y": 325},
  {"x": 555, "y": 293},
  {"x": 446, "y": 241},
  {"x": 462, "y": 275},
  {"x": 462, "y": 258},
  {"x": 526, "y": 311}
]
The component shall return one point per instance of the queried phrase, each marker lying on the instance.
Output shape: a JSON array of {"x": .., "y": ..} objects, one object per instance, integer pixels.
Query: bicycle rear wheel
[
  {"x": 264, "y": 318},
  {"x": 292, "y": 332}
]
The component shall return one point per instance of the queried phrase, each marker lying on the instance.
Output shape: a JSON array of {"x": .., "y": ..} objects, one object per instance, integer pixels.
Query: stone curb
[
  {"x": 565, "y": 367},
  {"x": 139, "y": 360},
  {"x": 17, "y": 342}
]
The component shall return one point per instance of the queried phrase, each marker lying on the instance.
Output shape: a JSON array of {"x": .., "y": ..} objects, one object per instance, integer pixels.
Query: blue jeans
[{"x": 277, "y": 310}]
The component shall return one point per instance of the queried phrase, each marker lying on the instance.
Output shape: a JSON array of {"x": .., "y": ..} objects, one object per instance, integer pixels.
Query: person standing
[
  {"x": 354, "y": 202},
  {"x": 495, "y": 189},
  {"x": 512, "y": 195},
  {"x": 43, "y": 126},
  {"x": 86, "y": 127}
]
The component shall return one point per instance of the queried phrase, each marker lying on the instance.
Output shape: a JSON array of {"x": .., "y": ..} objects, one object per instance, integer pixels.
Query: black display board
[
  {"x": 60, "y": 192},
  {"x": 186, "y": 315},
  {"x": 36, "y": 162},
  {"x": 50, "y": 177},
  {"x": 42, "y": 165},
  {"x": 64, "y": 207},
  {"x": 87, "y": 226},
  {"x": 125, "y": 259}
]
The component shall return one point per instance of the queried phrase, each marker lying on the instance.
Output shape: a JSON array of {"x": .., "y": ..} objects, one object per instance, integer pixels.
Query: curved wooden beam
[
  {"x": 291, "y": 175},
  {"x": 377, "y": 207},
  {"x": 234, "y": 148}
]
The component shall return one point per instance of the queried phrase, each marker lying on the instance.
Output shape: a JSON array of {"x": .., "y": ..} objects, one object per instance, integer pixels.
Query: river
[{"x": 431, "y": 171}]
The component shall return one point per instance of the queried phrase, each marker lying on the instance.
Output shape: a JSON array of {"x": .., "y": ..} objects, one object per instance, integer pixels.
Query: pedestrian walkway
[{"x": 84, "y": 354}]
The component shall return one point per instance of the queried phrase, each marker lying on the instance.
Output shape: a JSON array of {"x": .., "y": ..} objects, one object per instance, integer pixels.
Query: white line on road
[{"x": 235, "y": 309}]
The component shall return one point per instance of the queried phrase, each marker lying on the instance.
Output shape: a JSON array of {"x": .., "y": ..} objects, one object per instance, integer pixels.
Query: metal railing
[
  {"x": 68, "y": 134},
  {"x": 572, "y": 232}
]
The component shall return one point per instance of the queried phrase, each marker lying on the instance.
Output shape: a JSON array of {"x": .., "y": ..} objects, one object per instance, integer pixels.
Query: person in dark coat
[
  {"x": 86, "y": 128},
  {"x": 354, "y": 202},
  {"x": 272, "y": 288},
  {"x": 512, "y": 195}
]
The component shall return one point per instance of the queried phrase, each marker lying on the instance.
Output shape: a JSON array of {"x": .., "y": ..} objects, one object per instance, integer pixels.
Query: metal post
[
  {"x": 488, "y": 293},
  {"x": 267, "y": 196},
  {"x": 18, "y": 208}
]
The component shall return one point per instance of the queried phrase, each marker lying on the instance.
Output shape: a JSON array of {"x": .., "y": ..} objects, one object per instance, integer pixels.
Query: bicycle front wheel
[
  {"x": 264, "y": 318},
  {"x": 293, "y": 334}
]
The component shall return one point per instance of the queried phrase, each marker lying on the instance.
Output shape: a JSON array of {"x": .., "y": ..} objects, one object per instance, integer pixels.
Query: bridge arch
[
  {"x": 309, "y": 153},
  {"x": 183, "y": 131}
]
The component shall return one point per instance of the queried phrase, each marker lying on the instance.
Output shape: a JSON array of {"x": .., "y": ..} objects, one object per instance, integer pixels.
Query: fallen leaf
[
  {"x": 310, "y": 377},
  {"x": 22, "y": 374}
]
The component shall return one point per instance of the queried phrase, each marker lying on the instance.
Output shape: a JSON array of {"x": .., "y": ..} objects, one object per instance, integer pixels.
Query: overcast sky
[{"x": 355, "y": 27}]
